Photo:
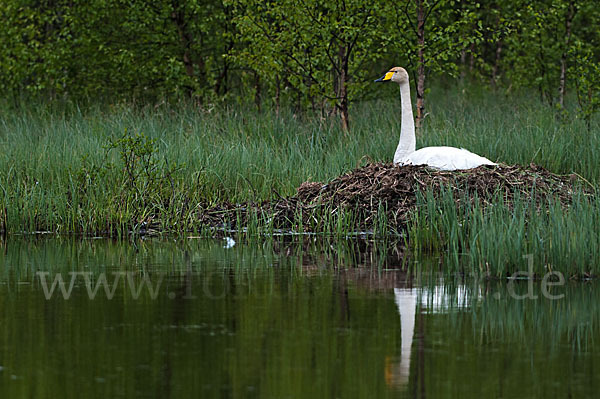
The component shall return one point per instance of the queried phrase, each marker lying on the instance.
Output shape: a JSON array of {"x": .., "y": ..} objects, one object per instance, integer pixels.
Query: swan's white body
[{"x": 443, "y": 158}]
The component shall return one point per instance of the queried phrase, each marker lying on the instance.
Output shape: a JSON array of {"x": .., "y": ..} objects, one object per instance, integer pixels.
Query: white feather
[{"x": 445, "y": 158}]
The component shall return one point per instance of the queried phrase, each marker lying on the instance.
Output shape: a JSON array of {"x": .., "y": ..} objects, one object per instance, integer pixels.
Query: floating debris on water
[{"x": 229, "y": 242}]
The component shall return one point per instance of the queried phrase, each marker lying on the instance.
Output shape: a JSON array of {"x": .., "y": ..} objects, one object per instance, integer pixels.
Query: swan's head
[{"x": 396, "y": 74}]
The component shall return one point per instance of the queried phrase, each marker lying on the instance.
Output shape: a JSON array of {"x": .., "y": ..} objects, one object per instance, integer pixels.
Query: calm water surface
[{"x": 190, "y": 318}]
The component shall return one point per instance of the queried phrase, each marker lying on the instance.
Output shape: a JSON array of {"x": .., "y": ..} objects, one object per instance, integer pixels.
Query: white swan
[{"x": 443, "y": 158}]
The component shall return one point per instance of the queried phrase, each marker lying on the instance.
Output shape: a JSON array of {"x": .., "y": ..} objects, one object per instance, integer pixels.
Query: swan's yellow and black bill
[{"x": 386, "y": 77}]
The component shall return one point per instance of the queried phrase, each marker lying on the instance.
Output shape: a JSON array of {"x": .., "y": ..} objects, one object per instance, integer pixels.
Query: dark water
[{"x": 190, "y": 318}]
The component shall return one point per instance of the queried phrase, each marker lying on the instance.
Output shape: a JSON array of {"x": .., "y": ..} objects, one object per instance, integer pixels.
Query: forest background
[{"x": 311, "y": 55}]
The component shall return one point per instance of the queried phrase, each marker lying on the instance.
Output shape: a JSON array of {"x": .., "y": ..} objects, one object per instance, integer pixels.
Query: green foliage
[
  {"x": 534, "y": 49},
  {"x": 316, "y": 49},
  {"x": 139, "y": 164},
  {"x": 113, "y": 48},
  {"x": 586, "y": 74},
  {"x": 319, "y": 55},
  {"x": 142, "y": 173},
  {"x": 450, "y": 27}
]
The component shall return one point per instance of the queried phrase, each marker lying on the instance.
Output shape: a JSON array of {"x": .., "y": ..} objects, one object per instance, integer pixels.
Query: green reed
[
  {"x": 501, "y": 238},
  {"x": 58, "y": 171}
]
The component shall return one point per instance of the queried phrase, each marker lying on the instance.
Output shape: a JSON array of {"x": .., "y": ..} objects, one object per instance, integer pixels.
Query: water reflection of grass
[
  {"x": 279, "y": 329},
  {"x": 517, "y": 312},
  {"x": 278, "y": 319},
  {"x": 572, "y": 319},
  {"x": 506, "y": 347}
]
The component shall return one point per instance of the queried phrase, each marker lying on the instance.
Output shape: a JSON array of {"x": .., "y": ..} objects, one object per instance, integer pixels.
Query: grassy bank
[{"x": 115, "y": 168}]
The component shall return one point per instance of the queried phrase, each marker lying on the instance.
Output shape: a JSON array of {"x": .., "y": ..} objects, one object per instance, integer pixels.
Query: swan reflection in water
[{"x": 424, "y": 300}]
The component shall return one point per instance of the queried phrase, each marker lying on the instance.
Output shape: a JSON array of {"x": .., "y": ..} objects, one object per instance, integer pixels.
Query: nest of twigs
[{"x": 394, "y": 190}]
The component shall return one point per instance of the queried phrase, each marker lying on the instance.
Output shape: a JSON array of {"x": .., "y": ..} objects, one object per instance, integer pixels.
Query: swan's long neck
[{"x": 407, "y": 144}]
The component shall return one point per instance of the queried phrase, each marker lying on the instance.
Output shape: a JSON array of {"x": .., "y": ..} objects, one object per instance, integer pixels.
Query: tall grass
[
  {"x": 49, "y": 152},
  {"x": 502, "y": 239}
]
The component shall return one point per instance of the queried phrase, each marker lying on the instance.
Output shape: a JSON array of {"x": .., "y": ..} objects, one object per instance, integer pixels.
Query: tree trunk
[
  {"x": 496, "y": 63},
  {"x": 546, "y": 94},
  {"x": 471, "y": 57},
  {"x": 277, "y": 95},
  {"x": 178, "y": 19},
  {"x": 343, "y": 89},
  {"x": 221, "y": 82},
  {"x": 345, "y": 118},
  {"x": 420, "y": 65},
  {"x": 463, "y": 62},
  {"x": 588, "y": 117},
  {"x": 257, "y": 93},
  {"x": 498, "y": 53},
  {"x": 563, "y": 59}
]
